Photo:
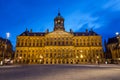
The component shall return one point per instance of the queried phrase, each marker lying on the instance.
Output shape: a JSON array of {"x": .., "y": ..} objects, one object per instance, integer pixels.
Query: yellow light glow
[
  {"x": 81, "y": 51},
  {"x": 81, "y": 56},
  {"x": 40, "y": 60},
  {"x": 76, "y": 56},
  {"x": 97, "y": 57},
  {"x": 41, "y": 56},
  {"x": 20, "y": 57}
]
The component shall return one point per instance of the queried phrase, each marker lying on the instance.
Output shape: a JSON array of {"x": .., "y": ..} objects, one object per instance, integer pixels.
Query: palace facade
[{"x": 59, "y": 46}]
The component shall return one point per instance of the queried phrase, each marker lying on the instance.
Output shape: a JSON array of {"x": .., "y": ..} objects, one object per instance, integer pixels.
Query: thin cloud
[{"x": 112, "y": 4}]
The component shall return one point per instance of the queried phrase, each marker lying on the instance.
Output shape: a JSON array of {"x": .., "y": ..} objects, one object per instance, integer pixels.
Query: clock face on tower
[{"x": 59, "y": 22}]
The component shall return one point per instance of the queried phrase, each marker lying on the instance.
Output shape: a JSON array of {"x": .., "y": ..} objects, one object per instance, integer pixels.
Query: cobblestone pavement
[{"x": 60, "y": 72}]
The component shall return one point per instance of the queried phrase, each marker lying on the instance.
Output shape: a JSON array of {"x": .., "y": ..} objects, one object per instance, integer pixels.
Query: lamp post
[
  {"x": 7, "y": 36},
  {"x": 77, "y": 59},
  {"x": 41, "y": 59},
  {"x": 118, "y": 38},
  {"x": 81, "y": 55},
  {"x": 98, "y": 60}
]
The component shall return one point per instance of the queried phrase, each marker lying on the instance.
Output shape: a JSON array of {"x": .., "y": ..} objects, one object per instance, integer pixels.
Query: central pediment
[{"x": 59, "y": 33}]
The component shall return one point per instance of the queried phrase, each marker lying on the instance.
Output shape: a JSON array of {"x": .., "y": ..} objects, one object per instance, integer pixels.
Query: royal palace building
[
  {"x": 113, "y": 49},
  {"x": 59, "y": 46}
]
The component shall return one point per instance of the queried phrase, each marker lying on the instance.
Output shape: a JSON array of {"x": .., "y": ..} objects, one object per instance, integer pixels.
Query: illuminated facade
[
  {"x": 113, "y": 49},
  {"x": 59, "y": 46},
  {"x": 6, "y": 50}
]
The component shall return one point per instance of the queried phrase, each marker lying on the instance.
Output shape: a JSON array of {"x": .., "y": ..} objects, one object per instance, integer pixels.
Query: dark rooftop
[
  {"x": 90, "y": 33},
  {"x": 27, "y": 33},
  {"x": 112, "y": 40}
]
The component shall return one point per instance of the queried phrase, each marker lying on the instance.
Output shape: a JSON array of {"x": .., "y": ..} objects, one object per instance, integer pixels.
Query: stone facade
[
  {"x": 6, "y": 49},
  {"x": 113, "y": 49},
  {"x": 59, "y": 46}
]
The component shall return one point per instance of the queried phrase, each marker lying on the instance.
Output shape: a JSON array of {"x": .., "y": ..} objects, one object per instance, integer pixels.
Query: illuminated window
[
  {"x": 58, "y": 43},
  {"x": 47, "y": 43},
  {"x": 66, "y": 43},
  {"x": 40, "y": 44},
  {"x": 92, "y": 43},
  {"x": 76, "y": 44},
  {"x": 25, "y": 44},
  {"x": 29, "y": 44},
  {"x": 55, "y": 43},
  {"x": 50, "y": 43},
  {"x": 32, "y": 55},
  {"x": 33, "y": 44},
  {"x": 18, "y": 44},
  {"x": 21, "y": 43},
  {"x": 50, "y": 54},
  {"x": 62, "y": 42}
]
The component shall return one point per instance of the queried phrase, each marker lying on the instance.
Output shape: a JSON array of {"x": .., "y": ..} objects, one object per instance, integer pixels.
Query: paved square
[{"x": 60, "y": 72}]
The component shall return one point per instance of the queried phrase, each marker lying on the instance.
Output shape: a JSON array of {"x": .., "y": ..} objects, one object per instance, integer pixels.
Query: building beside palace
[
  {"x": 6, "y": 49},
  {"x": 113, "y": 49},
  {"x": 59, "y": 46}
]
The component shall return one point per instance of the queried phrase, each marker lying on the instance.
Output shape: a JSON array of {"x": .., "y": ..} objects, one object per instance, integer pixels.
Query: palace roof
[{"x": 27, "y": 33}]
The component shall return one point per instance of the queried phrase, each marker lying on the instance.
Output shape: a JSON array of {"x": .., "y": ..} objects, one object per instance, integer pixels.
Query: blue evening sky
[{"x": 101, "y": 15}]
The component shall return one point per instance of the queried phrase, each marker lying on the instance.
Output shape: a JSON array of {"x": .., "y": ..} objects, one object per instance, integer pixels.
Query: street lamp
[
  {"x": 118, "y": 38},
  {"x": 117, "y": 33},
  {"x": 41, "y": 58},
  {"x": 7, "y": 36},
  {"x": 77, "y": 60},
  {"x": 98, "y": 60},
  {"x": 81, "y": 56}
]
